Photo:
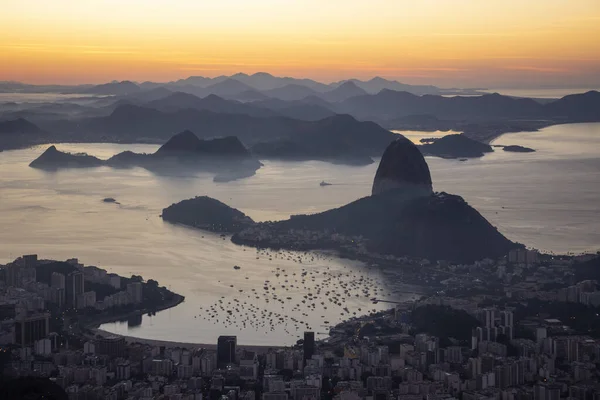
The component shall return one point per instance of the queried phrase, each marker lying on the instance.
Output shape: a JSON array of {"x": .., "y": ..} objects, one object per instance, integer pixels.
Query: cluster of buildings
[
  {"x": 27, "y": 297},
  {"x": 300, "y": 239},
  {"x": 382, "y": 356}
]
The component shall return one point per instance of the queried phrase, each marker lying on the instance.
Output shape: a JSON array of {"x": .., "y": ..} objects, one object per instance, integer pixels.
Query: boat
[{"x": 323, "y": 183}]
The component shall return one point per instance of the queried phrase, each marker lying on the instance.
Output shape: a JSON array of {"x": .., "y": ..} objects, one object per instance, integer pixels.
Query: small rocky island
[
  {"x": 53, "y": 159},
  {"x": 226, "y": 157},
  {"x": 402, "y": 217},
  {"x": 455, "y": 146},
  {"x": 208, "y": 214},
  {"x": 518, "y": 149}
]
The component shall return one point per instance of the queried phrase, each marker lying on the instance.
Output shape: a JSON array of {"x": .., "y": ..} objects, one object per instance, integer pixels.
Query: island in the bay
[
  {"x": 518, "y": 149},
  {"x": 402, "y": 217},
  {"x": 455, "y": 146},
  {"x": 226, "y": 157}
]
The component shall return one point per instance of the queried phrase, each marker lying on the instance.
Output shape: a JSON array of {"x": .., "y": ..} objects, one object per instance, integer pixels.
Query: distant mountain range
[
  {"x": 20, "y": 133},
  {"x": 337, "y": 138},
  {"x": 309, "y": 128},
  {"x": 285, "y": 88}
]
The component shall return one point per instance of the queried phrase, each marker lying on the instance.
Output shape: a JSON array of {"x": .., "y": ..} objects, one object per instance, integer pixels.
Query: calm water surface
[{"x": 549, "y": 200}]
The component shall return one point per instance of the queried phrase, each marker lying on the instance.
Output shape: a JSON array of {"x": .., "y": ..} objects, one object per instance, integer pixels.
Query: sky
[{"x": 449, "y": 43}]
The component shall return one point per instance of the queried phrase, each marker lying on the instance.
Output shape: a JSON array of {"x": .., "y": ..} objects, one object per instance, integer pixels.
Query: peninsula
[{"x": 402, "y": 217}]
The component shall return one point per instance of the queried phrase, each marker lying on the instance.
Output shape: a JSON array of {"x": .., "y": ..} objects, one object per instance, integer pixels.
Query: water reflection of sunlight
[{"x": 416, "y": 136}]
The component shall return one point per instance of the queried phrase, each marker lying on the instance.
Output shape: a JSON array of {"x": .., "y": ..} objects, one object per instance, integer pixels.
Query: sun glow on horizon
[{"x": 465, "y": 43}]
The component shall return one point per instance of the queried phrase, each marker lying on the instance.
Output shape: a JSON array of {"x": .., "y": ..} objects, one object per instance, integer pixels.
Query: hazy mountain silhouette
[
  {"x": 291, "y": 92},
  {"x": 297, "y": 109},
  {"x": 264, "y": 81},
  {"x": 318, "y": 101},
  {"x": 114, "y": 88},
  {"x": 228, "y": 87},
  {"x": 19, "y": 133},
  {"x": 150, "y": 94},
  {"x": 579, "y": 107},
  {"x": 338, "y": 139},
  {"x": 377, "y": 84},
  {"x": 18, "y": 126},
  {"x": 343, "y": 92},
  {"x": 389, "y": 104},
  {"x": 181, "y": 100},
  {"x": 261, "y": 81},
  {"x": 198, "y": 81},
  {"x": 251, "y": 95},
  {"x": 338, "y": 136}
]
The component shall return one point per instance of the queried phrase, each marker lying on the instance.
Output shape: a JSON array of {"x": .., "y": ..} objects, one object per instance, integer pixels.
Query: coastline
[
  {"x": 172, "y": 344},
  {"x": 94, "y": 327},
  {"x": 483, "y": 134},
  {"x": 95, "y": 322}
]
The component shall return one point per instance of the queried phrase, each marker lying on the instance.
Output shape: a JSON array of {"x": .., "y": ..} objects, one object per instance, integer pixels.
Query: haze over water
[{"x": 549, "y": 200}]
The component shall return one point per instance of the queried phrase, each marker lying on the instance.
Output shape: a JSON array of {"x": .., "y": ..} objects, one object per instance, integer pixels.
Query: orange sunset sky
[{"x": 466, "y": 43}]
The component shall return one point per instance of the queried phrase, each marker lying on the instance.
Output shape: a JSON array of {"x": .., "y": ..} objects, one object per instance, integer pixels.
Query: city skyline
[{"x": 462, "y": 43}]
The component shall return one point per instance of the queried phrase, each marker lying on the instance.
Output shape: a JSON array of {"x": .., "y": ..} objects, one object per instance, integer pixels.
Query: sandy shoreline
[{"x": 170, "y": 344}]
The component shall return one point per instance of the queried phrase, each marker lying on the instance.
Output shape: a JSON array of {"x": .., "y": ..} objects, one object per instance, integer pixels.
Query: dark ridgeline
[
  {"x": 307, "y": 109},
  {"x": 113, "y": 88},
  {"x": 291, "y": 92},
  {"x": 181, "y": 101},
  {"x": 303, "y": 122},
  {"x": 226, "y": 350},
  {"x": 341, "y": 138},
  {"x": 389, "y": 104},
  {"x": 577, "y": 107},
  {"x": 343, "y": 92},
  {"x": 308, "y": 346},
  {"x": 228, "y": 87},
  {"x": 19, "y": 133},
  {"x": 19, "y": 126}
]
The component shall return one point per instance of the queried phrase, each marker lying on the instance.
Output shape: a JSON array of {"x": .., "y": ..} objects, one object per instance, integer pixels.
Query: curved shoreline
[
  {"x": 97, "y": 321},
  {"x": 172, "y": 344},
  {"x": 94, "y": 326}
]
